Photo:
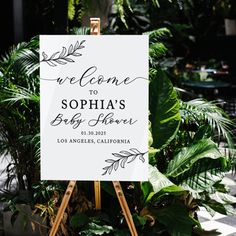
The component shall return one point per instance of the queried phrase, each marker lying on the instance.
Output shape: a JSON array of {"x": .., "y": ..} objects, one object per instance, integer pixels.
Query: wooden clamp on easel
[{"x": 95, "y": 30}]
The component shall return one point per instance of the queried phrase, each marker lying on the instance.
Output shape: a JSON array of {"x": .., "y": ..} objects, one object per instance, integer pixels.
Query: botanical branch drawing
[
  {"x": 64, "y": 55},
  {"x": 123, "y": 157}
]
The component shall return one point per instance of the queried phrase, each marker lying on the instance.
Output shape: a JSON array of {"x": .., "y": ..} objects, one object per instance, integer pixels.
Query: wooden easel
[{"x": 95, "y": 30}]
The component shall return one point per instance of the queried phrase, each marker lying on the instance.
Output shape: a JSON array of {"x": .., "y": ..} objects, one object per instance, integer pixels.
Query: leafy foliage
[
  {"x": 184, "y": 160},
  {"x": 19, "y": 90},
  {"x": 128, "y": 17},
  {"x": 164, "y": 108},
  {"x": 22, "y": 59},
  {"x": 200, "y": 111}
]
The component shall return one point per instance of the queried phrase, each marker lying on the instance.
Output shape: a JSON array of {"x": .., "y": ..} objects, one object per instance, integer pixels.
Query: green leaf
[
  {"x": 147, "y": 190},
  {"x": 108, "y": 187},
  {"x": 201, "y": 112},
  {"x": 176, "y": 219},
  {"x": 71, "y": 10},
  {"x": 170, "y": 190},
  {"x": 204, "y": 175},
  {"x": 139, "y": 220},
  {"x": 220, "y": 208},
  {"x": 158, "y": 35},
  {"x": 78, "y": 220},
  {"x": 164, "y": 108},
  {"x": 185, "y": 159},
  {"x": 95, "y": 229},
  {"x": 202, "y": 182},
  {"x": 158, "y": 186},
  {"x": 222, "y": 198},
  {"x": 157, "y": 179},
  {"x": 156, "y": 51}
]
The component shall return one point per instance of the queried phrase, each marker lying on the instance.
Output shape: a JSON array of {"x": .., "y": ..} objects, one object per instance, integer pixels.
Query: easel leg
[
  {"x": 62, "y": 208},
  {"x": 97, "y": 190},
  {"x": 95, "y": 30},
  {"x": 125, "y": 208}
]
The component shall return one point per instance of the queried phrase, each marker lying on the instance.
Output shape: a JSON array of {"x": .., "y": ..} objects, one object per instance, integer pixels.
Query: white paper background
[{"x": 120, "y": 56}]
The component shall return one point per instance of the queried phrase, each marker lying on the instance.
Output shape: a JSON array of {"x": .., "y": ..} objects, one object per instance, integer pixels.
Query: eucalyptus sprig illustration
[
  {"x": 64, "y": 56},
  {"x": 123, "y": 157}
]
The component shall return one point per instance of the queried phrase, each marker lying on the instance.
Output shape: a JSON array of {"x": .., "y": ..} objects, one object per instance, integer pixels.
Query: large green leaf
[
  {"x": 202, "y": 182},
  {"x": 157, "y": 179},
  {"x": 78, "y": 220},
  {"x": 222, "y": 198},
  {"x": 176, "y": 219},
  {"x": 203, "y": 175},
  {"x": 185, "y": 159},
  {"x": 159, "y": 185},
  {"x": 213, "y": 207},
  {"x": 95, "y": 229},
  {"x": 164, "y": 108}
]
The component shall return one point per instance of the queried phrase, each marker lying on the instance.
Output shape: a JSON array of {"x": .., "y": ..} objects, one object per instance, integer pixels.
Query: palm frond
[
  {"x": 36, "y": 144},
  {"x": 27, "y": 61},
  {"x": 157, "y": 49},
  {"x": 80, "y": 31},
  {"x": 19, "y": 93},
  {"x": 121, "y": 11},
  {"x": 200, "y": 111},
  {"x": 22, "y": 58},
  {"x": 158, "y": 35}
]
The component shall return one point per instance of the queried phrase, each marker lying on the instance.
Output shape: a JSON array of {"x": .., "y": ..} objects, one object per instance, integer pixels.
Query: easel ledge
[{"x": 95, "y": 30}]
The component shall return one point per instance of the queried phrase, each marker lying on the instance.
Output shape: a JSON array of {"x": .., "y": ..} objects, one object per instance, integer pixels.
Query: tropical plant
[
  {"x": 18, "y": 128},
  {"x": 129, "y": 17},
  {"x": 189, "y": 166}
]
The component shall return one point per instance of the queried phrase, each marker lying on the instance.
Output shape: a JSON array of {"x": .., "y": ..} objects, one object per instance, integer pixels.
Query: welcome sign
[{"x": 94, "y": 107}]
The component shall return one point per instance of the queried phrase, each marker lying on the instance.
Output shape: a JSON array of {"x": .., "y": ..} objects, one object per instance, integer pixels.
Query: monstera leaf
[{"x": 164, "y": 108}]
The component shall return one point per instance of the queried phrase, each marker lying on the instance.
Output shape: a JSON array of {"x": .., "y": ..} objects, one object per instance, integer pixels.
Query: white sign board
[{"x": 94, "y": 107}]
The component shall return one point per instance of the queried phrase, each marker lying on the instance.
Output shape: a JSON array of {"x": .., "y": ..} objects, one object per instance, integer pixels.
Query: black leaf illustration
[
  {"x": 117, "y": 155},
  {"x": 61, "y": 62},
  {"x": 69, "y": 60},
  {"x": 63, "y": 52},
  {"x": 110, "y": 170},
  {"x": 116, "y": 165},
  {"x": 109, "y": 161},
  {"x": 123, "y": 157},
  {"x": 50, "y": 63},
  {"x": 133, "y": 157},
  {"x": 53, "y": 55},
  {"x": 76, "y": 45},
  {"x": 135, "y": 150},
  {"x": 125, "y": 152},
  {"x": 45, "y": 56},
  {"x": 122, "y": 163},
  {"x": 70, "y": 50},
  {"x": 141, "y": 158},
  {"x": 64, "y": 56},
  {"x": 77, "y": 54}
]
